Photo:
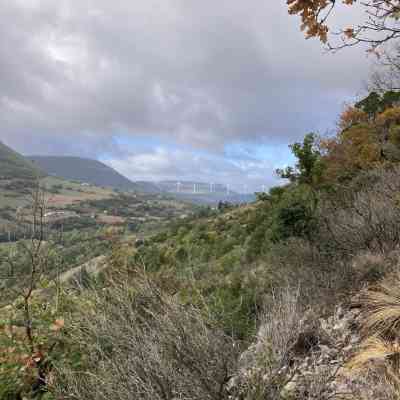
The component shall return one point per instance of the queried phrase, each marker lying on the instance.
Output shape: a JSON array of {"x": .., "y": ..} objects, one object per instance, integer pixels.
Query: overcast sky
[{"x": 165, "y": 89}]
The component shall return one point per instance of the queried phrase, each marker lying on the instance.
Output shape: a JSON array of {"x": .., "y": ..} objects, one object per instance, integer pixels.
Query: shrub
[
  {"x": 323, "y": 277},
  {"x": 263, "y": 367},
  {"x": 141, "y": 343},
  {"x": 293, "y": 214},
  {"x": 365, "y": 216}
]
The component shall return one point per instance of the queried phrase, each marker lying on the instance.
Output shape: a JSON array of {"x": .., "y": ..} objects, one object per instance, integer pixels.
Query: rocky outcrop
[{"x": 313, "y": 368}]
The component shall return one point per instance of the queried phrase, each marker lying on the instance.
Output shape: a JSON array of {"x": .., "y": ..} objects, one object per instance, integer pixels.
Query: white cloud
[{"x": 167, "y": 164}]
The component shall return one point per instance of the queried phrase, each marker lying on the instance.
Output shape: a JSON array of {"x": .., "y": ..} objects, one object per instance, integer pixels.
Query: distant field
[
  {"x": 73, "y": 205},
  {"x": 62, "y": 200},
  {"x": 61, "y": 193},
  {"x": 111, "y": 219}
]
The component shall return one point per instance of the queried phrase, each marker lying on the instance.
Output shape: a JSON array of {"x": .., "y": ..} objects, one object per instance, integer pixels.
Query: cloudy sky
[{"x": 164, "y": 89}]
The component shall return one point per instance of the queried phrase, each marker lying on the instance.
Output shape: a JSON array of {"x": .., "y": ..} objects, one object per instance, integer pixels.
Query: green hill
[
  {"x": 87, "y": 171},
  {"x": 15, "y": 166}
]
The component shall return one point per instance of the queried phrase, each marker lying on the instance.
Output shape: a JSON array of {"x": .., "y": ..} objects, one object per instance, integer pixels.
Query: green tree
[
  {"x": 308, "y": 168},
  {"x": 390, "y": 99},
  {"x": 371, "y": 104}
]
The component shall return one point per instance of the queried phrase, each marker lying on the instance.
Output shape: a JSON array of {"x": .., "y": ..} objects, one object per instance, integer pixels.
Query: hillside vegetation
[
  {"x": 292, "y": 297},
  {"x": 15, "y": 166},
  {"x": 17, "y": 178}
]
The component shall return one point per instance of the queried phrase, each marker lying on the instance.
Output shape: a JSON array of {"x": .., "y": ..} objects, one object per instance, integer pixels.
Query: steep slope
[
  {"x": 86, "y": 170},
  {"x": 15, "y": 166}
]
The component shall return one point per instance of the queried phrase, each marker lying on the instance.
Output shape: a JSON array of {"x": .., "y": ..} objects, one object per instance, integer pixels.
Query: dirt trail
[{"x": 92, "y": 267}]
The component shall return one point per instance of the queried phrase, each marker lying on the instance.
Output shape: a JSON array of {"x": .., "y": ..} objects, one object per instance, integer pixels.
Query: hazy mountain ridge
[
  {"x": 90, "y": 171},
  {"x": 193, "y": 187},
  {"x": 97, "y": 173},
  {"x": 204, "y": 193}
]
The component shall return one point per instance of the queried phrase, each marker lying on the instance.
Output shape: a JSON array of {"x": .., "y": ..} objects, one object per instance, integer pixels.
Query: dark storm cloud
[{"x": 74, "y": 74}]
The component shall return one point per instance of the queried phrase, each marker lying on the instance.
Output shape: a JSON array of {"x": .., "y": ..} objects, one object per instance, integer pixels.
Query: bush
[
  {"x": 323, "y": 277},
  {"x": 364, "y": 216},
  {"x": 260, "y": 375},
  {"x": 140, "y": 343}
]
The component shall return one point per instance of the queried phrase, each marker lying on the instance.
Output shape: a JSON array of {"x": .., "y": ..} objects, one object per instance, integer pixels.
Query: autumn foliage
[
  {"x": 351, "y": 116},
  {"x": 368, "y": 136},
  {"x": 309, "y": 12},
  {"x": 380, "y": 24},
  {"x": 352, "y": 150}
]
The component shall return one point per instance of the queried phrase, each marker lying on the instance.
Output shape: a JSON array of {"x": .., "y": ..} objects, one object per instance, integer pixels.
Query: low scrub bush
[
  {"x": 141, "y": 343},
  {"x": 267, "y": 370},
  {"x": 323, "y": 278},
  {"x": 364, "y": 216}
]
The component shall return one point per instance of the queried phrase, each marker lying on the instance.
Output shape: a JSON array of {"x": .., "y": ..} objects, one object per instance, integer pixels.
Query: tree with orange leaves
[
  {"x": 354, "y": 149},
  {"x": 369, "y": 135},
  {"x": 380, "y": 25},
  {"x": 350, "y": 117}
]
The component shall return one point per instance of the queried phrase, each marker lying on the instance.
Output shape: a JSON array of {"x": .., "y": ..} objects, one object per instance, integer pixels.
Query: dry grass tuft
[
  {"x": 379, "y": 354},
  {"x": 380, "y": 307},
  {"x": 282, "y": 324},
  {"x": 374, "y": 385},
  {"x": 373, "y": 350}
]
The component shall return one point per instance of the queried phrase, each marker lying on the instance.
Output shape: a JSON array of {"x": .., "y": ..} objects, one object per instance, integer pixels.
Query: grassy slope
[
  {"x": 17, "y": 176},
  {"x": 15, "y": 166},
  {"x": 210, "y": 252}
]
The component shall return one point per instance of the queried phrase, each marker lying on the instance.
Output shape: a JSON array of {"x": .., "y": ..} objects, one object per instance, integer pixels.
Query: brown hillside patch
[
  {"x": 59, "y": 200},
  {"x": 111, "y": 219}
]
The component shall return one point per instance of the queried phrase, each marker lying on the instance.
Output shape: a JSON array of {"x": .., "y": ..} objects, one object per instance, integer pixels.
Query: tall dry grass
[
  {"x": 379, "y": 353},
  {"x": 139, "y": 343}
]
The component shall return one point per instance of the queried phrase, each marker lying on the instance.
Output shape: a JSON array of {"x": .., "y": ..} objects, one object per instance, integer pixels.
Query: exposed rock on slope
[{"x": 313, "y": 366}]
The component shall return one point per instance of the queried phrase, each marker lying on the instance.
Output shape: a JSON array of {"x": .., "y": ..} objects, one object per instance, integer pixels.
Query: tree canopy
[{"x": 307, "y": 169}]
